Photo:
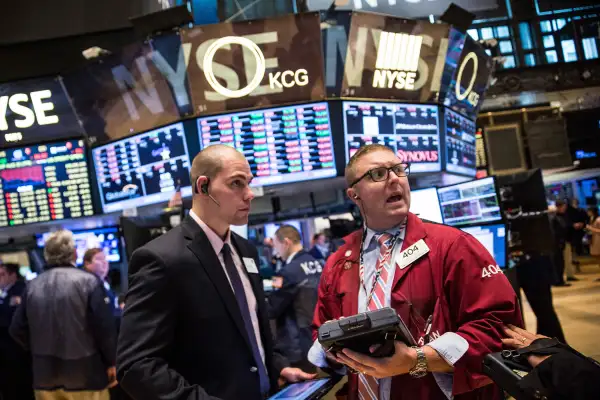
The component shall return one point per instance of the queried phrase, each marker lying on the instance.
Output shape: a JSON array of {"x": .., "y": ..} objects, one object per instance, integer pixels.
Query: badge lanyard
[{"x": 393, "y": 242}]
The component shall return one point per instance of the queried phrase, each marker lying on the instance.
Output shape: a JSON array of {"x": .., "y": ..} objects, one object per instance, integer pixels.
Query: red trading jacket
[{"x": 453, "y": 283}]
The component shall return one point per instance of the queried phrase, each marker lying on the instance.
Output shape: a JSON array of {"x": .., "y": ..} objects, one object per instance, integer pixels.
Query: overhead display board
[
  {"x": 394, "y": 58},
  {"x": 143, "y": 169},
  {"x": 470, "y": 79},
  {"x": 124, "y": 93},
  {"x": 34, "y": 111},
  {"x": 282, "y": 145},
  {"x": 411, "y": 130},
  {"x": 44, "y": 182},
  {"x": 403, "y": 8},
  {"x": 255, "y": 63},
  {"x": 461, "y": 146}
]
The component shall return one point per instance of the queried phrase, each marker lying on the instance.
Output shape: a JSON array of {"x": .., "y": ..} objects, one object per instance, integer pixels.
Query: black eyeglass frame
[{"x": 387, "y": 173}]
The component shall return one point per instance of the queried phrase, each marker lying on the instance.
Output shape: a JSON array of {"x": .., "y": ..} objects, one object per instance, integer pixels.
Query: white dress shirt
[{"x": 217, "y": 244}]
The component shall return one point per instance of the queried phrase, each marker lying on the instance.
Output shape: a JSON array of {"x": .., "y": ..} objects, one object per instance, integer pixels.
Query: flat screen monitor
[
  {"x": 411, "y": 130},
  {"x": 461, "y": 145},
  {"x": 493, "y": 238},
  {"x": 143, "y": 169},
  {"x": 426, "y": 205},
  {"x": 44, "y": 182},
  {"x": 108, "y": 239},
  {"x": 470, "y": 203},
  {"x": 282, "y": 145}
]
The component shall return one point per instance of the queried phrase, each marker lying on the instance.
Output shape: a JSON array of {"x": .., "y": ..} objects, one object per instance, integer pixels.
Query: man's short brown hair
[
  {"x": 289, "y": 232},
  {"x": 89, "y": 254},
  {"x": 350, "y": 172}
]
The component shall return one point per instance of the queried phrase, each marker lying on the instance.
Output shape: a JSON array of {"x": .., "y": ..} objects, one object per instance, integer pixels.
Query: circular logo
[
  {"x": 461, "y": 96},
  {"x": 226, "y": 41}
]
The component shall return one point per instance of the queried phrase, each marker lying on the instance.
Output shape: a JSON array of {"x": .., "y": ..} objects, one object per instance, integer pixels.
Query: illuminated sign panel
[
  {"x": 35, "y": 110},
  {"x": 239, "y": 65},
  {"x": 403, "y": 61}
]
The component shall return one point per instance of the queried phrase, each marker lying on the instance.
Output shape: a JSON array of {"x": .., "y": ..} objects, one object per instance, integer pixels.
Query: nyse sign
[
  {"x": 400, "y": 64},
  {"x": 35, "y": 110}
]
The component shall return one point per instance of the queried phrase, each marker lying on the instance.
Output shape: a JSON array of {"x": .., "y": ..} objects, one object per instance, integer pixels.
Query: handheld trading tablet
[
  {"x": 360, "y": 332},
  {"x": 308, "y": 390}
]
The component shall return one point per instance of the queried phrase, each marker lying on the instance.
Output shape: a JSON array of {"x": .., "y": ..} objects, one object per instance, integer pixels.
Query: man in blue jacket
[{"x": 292, "y": 303}]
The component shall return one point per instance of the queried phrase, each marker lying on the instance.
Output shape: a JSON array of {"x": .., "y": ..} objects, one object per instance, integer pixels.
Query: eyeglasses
[{"x": 380, "y": 174}]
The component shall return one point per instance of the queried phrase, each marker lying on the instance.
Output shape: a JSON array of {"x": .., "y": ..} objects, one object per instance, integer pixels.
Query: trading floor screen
[
  {"x": 143, "y": 169},
  {"x": 282, "y": 145},
  {"x": 411, "y": 130},
  {"x": 45, "y": 182}
]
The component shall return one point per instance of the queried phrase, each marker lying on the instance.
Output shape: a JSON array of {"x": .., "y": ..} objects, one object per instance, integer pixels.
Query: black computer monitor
[
  {"x": 523, "y": 190},
  {"x": 494, "y": 238},
  {"x": 425, "y": 203}
]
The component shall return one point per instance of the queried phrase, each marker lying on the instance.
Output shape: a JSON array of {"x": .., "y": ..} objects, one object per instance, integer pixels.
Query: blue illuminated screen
[
  {"x": 493, "y": 238},
  {"x": 107, "y": 239}
]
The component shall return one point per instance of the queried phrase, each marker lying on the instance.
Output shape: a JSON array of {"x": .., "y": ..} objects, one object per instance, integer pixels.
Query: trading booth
[{"x": 102, "y": 149}]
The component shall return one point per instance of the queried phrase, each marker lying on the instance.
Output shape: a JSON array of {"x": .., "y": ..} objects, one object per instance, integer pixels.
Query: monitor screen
[
  {"x": 493, "y": 238},
  {"x": 44, "y": 182},
  {"x": 461, "y": 146},
  {"x": 410, "y": 130},
  {"x": 282, "y": 145},
  {"x": 426, "y": 205},
  {"x": 143, "y": 169},
  {"x": 107, "y": 239},
  {"x": 468, "y": 203}
]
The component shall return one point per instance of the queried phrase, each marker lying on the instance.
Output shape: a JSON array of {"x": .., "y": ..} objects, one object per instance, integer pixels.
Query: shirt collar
[
  {"x": 401, "y": 229},
  {"x": 291, "y": 257},
  {"x": 214, "y": 239}
]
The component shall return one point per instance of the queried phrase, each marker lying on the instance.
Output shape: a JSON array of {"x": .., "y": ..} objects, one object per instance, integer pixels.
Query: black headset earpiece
[{"x": 204, "y": 188}]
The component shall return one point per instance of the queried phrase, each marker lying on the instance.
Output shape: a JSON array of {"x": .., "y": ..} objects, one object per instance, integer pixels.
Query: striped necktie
[{"x": 368, "y": 386}]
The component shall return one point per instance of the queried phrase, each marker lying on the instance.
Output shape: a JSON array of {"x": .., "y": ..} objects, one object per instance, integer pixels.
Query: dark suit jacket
[{"x": 182, "y": 334}]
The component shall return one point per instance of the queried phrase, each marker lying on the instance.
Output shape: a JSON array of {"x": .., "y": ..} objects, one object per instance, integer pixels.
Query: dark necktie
[{"x": 240, "y": 296}]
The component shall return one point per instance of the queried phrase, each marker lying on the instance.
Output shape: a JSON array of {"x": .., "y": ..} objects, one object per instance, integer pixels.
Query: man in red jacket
[{"x": 442, "y": 282}]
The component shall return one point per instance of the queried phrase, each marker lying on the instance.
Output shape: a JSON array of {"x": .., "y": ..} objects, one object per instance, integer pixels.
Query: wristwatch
[{"x": 420, "y": 369}]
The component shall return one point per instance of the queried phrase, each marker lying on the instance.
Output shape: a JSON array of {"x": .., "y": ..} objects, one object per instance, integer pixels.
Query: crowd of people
[
  {"x": 574, "y": 229},
  {"x": 197, "y": 324}
]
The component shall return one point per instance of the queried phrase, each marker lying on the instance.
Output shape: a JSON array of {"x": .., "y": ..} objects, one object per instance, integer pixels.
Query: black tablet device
[
  {"x": 359, "y": 332},
  {"x": 308, "y": 390}
]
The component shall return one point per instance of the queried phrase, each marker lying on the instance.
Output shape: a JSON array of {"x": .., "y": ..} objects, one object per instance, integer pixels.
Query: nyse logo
[
  {"x": 25, "y": 117},
  {"x": 277, "y": 80},
  {"x": 468, "y": 94},
  {"x": 397, "y": 61}
]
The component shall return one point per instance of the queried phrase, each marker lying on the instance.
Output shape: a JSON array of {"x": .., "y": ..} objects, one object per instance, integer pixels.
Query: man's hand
[
  {"x": 293, "y": 375},
  {"x": 518, "y": 338},
  {"x": 112, "y": 377},
  {"x": 403, "y": 360}
]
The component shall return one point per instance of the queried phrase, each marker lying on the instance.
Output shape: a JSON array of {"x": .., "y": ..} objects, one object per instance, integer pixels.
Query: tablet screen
[{"x": 300, "y": 391}]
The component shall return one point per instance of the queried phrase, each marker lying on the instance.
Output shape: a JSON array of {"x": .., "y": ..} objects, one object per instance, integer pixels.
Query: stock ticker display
[
  {"x": 461, "y": 146},
  {"x": 43, "y": 183},
  {"x": 143, "y": 169},
  {"x": 411, "y": 130},
  {"x": 472, "y": 202},
  {"x": 282, "y": 145}
]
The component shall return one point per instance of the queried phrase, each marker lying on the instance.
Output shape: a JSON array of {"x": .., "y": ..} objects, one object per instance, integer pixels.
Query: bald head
[{"x": 211, "y": 159}]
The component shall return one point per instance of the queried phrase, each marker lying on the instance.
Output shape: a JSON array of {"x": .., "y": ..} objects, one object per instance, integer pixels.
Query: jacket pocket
[{"x": 332, "y": 304}]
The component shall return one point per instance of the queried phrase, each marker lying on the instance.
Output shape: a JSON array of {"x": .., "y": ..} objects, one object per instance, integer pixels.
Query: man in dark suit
[{"x": 195, "y": 324}]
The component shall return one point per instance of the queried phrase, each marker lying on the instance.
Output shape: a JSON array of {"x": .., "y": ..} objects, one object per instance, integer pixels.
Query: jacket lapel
[
  {"x": 203, "y": 250},
  {"x": 415, "y": 231}
]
